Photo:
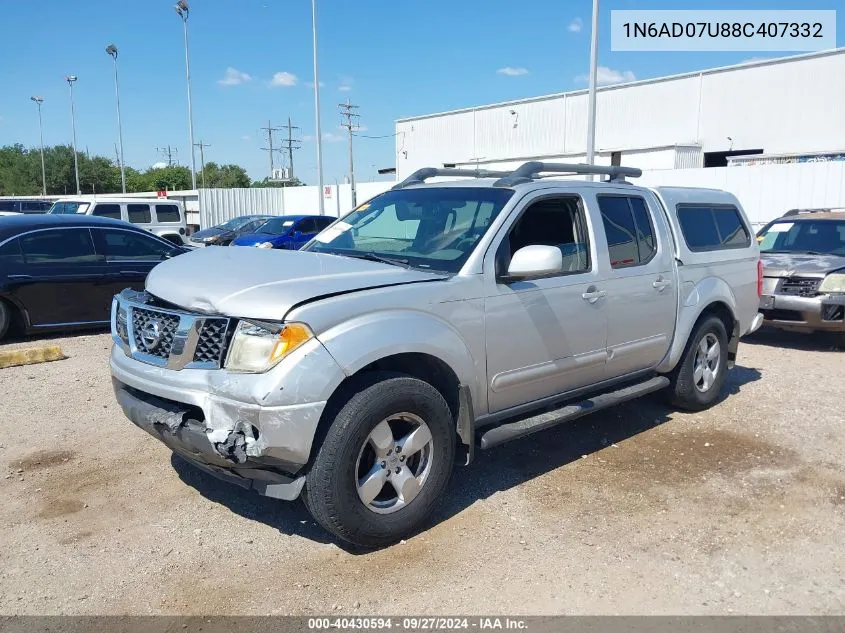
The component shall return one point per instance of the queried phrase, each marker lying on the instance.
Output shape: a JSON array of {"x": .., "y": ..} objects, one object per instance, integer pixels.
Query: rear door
[
  {"x": 640, "y": 284},
  {"x": 64, "y": 278}
]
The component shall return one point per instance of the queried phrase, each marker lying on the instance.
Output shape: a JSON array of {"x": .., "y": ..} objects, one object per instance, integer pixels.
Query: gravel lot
[{"x": 740, "y": 509}]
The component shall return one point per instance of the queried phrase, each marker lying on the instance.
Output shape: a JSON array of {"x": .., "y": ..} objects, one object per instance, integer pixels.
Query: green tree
[{"x": 223, "y": 176}]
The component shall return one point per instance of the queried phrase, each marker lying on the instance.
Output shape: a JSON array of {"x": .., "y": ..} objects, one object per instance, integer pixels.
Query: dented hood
[
  {"x": 264, "y": 283},
  {"x": 797, "y": 264}
]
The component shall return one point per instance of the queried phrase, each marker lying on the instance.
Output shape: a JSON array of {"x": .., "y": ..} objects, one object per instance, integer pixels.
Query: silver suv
[{"x": 434, "y": 319}]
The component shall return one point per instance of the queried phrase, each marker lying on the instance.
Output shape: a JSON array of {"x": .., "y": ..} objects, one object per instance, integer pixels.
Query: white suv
[{"x": 160, "y": 216}]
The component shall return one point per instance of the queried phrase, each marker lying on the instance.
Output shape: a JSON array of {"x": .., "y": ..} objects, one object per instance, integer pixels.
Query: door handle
[
  {"x": 661, "y": 284},
  {"x": 593, "y": 294}
]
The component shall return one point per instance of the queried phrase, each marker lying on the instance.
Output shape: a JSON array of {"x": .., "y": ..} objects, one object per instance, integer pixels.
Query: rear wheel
[
  {"x": 384, "y": 463},
  {"x": 698, "y": 380}
]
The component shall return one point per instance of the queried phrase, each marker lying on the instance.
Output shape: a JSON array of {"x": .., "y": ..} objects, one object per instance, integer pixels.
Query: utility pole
[
  {"x": 202, "y": 147},
  {"x": 168, "y": 153},
  {"x": 291, "y": 144},
  {"x": 349, "y": 120},
  {"x": 591, "y": 102},
  {"x": 270, "y": 149}
]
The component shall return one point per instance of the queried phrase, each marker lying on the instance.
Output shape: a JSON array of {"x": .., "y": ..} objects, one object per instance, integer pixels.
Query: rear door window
[
  {"x": 59, "y": 247},
  {"x": 138, "y": 213},
  {"x": 627, "y": 226},
  {"x": 167, "y": 213},
  {"x": 307, "y": 226},
  {"x": 107, "y": 211}
]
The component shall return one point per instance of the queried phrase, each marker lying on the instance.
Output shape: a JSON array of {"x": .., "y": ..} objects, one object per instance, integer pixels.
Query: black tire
[
  {"x": 331, "y": 490},
  {"x": 5, "y": 318},
  {"x": 685, "y": 390}
]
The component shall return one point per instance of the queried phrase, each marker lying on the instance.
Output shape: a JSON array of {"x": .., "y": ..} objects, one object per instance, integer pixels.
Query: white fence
[
  {"x": 766, "y": 191},
  {"x": 219, "y": 205}
]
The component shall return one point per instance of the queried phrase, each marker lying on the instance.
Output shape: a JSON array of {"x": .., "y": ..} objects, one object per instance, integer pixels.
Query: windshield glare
[
  {"x": 431, "y": 228},
  {"x": 236, "y": 223},
  {"x": 804, "y": 236},
  {"x": 68, "y": 207}
]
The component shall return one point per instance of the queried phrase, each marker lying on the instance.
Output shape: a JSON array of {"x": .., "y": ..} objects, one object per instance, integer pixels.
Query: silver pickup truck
[{"x": 434, "y": 319}]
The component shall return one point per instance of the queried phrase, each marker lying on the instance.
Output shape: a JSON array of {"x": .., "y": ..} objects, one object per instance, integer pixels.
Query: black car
[
  {"x": 223, "y": 234},
  {"x": 60, "y": 272}
]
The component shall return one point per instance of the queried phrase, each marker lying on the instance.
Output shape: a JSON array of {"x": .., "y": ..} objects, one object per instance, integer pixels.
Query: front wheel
[
  {"x": 698, "y": 379},
  {"x": 5, "y": 318},
  {"x": 384, "y": 463}
]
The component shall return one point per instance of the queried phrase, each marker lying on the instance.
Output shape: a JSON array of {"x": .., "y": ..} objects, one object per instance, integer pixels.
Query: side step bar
[{"x": 548, "y": 419}]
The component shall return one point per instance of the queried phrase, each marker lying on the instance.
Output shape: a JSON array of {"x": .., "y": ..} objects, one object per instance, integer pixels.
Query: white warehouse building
[{"x": 780, "y": 110}]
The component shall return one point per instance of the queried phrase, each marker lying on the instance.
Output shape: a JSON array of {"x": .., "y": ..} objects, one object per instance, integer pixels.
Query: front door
[
  {"x": 546, "y": 336},
  {"x": 640, "y": 284}
]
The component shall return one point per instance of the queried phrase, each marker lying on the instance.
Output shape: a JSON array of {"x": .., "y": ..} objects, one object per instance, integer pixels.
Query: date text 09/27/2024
[{"x": 417, "y": 623}]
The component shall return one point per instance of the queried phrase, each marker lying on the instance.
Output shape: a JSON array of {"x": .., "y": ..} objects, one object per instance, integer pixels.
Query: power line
[
  {"x": 385, "y": 136},
  {"x": 349, "y": 120},
  {"x": 168, "y": 153}
]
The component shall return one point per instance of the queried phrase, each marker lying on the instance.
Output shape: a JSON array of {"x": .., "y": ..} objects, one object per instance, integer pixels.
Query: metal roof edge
[{"x": 639, "y": 82}]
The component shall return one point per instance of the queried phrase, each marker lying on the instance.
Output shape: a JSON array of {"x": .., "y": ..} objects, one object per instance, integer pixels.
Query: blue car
[{"x": 289, "y": 232}]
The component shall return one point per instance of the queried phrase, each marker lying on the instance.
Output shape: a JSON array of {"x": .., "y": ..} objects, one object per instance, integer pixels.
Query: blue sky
[{"x": 392, "y": 58}]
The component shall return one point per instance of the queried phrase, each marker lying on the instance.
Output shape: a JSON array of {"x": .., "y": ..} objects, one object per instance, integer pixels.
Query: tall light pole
[
  {"x": 183, "y": 11},
  {"x": 70, "y": 79},
  {"x": 317, "y": 109},
  {"x": 39, "y": 101},
  {"x": 111, "y": 49},
  {"x": 591, "y": 115}
]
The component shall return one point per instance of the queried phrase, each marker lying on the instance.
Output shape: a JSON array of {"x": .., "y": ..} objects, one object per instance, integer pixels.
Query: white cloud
[
  {"x": 234, "y": 77},
  {"x": 159, "y": 165},
  {"x": 246, "y": 137},
  {"x": 576, "y": 25},
  {"x": 510, "y": 71},
  {"x": 284, "y": 79},
  {"x": 606, "y": 76},
  {"x": 345, "y": 84},
  {"x": 330, "y": 137},
  {"x": 310, "y": 84}
]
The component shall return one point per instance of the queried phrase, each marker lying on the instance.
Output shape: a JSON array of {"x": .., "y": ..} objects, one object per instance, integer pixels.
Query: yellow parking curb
[{"x": 30, "y": 356}]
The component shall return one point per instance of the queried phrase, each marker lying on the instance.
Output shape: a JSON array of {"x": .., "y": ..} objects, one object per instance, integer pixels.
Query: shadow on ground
[
  {"x": 815, "y": 342},
  {"x": 492, "y": 471}
]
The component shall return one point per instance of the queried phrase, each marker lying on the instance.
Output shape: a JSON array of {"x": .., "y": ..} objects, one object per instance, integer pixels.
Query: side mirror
[{"x": 537, "y": 260}]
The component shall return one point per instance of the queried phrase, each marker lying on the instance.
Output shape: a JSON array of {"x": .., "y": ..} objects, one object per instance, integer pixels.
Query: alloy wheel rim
[
  {"x": 394, "y": 463},
  {"x": 706, "y": 366}
]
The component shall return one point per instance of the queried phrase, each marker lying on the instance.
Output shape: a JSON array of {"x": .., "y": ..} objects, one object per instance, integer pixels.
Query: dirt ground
[{"x": 637, "y": 510}]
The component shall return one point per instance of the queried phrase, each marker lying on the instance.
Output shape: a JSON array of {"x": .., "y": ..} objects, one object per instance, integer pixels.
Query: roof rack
[
  {"x": 420, "y": 176},
  {"x": 802, "y": 211},
  {"x": 522, "y": 174}
]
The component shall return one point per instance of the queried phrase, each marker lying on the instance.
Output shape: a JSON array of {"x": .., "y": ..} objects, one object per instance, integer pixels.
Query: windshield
[
  {"x": 804, "y": 236},
  {"x": 276, "y": 226},
  {"x": 432, "y": 228},
  {"x": 236, "y": 223},
  {"x": 68, "y": 207}
]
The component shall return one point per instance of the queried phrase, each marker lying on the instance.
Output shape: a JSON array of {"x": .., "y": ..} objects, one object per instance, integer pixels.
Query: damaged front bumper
[
  {"x": 255, "y": 430},
  {"x": 822, "y": 313},
  {"x": 177, "y": 425}
]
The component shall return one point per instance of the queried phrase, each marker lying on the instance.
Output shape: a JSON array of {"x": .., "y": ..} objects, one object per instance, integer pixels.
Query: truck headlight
[
  {"x": 265, "y": 245},
  {"x": 258, "y": 347},
  {"x": 833, "y": 283}
]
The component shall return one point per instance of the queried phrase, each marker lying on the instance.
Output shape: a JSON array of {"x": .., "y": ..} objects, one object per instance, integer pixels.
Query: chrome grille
[
  {"x": 212, "y": 341},
  {"x": 800, "y": 286},
  {"x": 153, "y": 331}
]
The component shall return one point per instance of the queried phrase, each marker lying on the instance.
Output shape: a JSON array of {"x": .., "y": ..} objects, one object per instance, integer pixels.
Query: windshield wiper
[{"x": 372, "y": 257}]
